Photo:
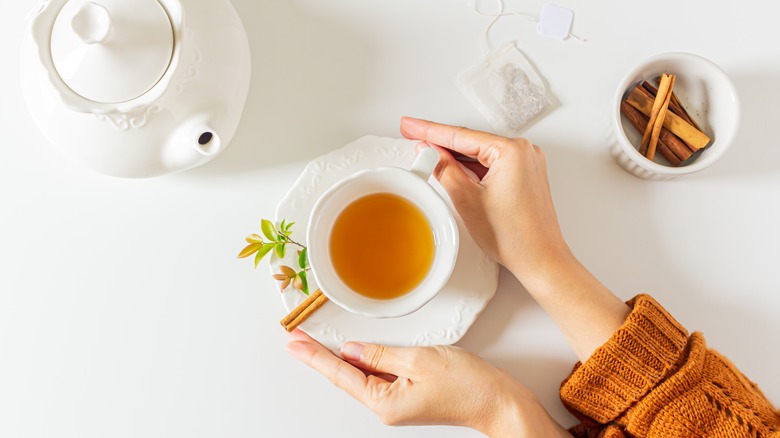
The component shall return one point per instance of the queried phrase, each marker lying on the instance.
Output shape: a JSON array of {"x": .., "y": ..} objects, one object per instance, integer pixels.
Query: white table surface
[{"x": 124, "y": 313}]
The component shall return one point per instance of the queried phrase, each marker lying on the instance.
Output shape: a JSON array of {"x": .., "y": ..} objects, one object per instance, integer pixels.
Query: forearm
[{"x": 584, "y": 309}]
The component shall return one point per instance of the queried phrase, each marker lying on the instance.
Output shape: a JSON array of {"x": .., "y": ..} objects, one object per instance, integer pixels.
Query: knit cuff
[{"x": 635, "y": 359}]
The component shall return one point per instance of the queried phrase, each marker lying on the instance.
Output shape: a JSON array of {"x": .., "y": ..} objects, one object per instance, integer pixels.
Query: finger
[
  {"x": 483, "y": 146},
  {"x": 449, "y": 171},
  {"x": 448, "y": 158},
  {"x": 475, "y": 167},
  {"x": 390, "y": 378},
  {"x": 459, "y": 181},
  {"x": 345, "y": 376},
  {"x": 471, "y": 168},
  {"x": 381, "y": 359},
  {"x": 299, "y": 335}
]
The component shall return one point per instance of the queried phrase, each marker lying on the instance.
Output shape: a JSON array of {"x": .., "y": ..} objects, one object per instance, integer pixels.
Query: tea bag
[{"x": 506, "y": 90}]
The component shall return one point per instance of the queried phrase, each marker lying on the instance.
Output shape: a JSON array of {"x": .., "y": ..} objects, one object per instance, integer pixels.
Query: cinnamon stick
[
  {"x": 665, "y": 93},
  {"x": 650, "y": 91},
  {"x": 658, "y": 102},
  {"x": 674, "y": 105},
  {"x": 694, "y": 138},
  {"x": 639, "y": 121},
  {"x": 686, "y": 116},
  {"x": 303, "y": 311},
  {"x": 677, "y": 146}
]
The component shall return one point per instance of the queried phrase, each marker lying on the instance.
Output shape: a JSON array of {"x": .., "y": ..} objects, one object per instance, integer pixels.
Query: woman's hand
[
  {"x": 509, "y": 212},
  {"x": 429, "y": 385}
]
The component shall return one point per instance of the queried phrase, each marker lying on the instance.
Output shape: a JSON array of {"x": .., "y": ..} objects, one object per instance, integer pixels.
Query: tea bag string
[{"x": 487, "y": 45}]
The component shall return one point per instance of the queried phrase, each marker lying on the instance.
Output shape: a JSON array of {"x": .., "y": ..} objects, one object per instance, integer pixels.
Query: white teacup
[{"x": 414, "y": 187}]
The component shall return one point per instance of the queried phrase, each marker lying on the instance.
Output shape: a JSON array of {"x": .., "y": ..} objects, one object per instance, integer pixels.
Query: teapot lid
[{"x": 111, "y": 51}]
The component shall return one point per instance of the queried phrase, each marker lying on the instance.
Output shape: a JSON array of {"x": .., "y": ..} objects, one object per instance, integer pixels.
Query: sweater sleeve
[{"x": 651, "y": 379}]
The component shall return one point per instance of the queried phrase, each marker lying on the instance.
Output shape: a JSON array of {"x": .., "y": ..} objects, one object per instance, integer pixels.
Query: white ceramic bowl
[
  {"x": 412, "y": 185},
  {"x": 706, "y": 92}
]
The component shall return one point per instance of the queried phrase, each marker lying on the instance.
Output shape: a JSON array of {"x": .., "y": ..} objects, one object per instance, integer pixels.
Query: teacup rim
[{"x": 396, "y": 310}]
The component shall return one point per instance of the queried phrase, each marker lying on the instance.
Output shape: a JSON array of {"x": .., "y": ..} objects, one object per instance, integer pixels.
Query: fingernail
[
  {"x": 298, "y": 335},
  {"x": 411, "y": 121},
  {"x": 352, "y": 350},
  {"x": 293, "y": 350}
]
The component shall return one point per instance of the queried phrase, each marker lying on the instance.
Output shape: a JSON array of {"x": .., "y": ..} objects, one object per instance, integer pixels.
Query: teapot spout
[
  {"x": 208, "y": 142},
  {"x": 192, "y": 144}
]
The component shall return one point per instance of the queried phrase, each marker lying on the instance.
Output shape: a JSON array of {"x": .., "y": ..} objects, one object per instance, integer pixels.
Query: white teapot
[{"x": 136, "y": 88}]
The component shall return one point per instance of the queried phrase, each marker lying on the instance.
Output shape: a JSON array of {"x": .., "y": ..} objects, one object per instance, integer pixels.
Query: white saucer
[{"x": 445, "y": 319}]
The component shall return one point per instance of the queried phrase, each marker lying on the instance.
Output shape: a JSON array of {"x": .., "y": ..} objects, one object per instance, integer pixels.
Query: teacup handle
[{"x": 425, "y": 162}]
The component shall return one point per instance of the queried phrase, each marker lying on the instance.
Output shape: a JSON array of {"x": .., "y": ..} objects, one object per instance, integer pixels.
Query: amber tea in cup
[
  {"x": 382, "y": 246},
  {"x": 382, "y": 241}
]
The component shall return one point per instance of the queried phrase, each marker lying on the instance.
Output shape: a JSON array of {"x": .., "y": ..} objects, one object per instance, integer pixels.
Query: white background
[{"x": 124, "y": 313}]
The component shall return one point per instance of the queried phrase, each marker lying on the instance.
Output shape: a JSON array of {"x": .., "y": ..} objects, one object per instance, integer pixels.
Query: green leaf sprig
[{"x": 277, "y": 239}]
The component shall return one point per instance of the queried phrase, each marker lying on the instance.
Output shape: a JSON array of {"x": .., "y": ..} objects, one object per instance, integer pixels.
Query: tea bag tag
[{"x": 555, "y": 21}]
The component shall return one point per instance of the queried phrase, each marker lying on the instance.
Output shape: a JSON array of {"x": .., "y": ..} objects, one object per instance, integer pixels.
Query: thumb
[{"x": 375, "y": 358}]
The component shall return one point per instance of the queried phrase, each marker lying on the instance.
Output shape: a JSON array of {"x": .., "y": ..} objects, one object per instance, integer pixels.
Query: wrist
[
  {"x": 522, "y": 415},
  {"x": 585, "y": 310},
  {"x": 544, "y": 268}
]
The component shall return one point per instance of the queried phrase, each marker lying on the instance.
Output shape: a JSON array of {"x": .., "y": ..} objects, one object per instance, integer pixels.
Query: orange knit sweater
[{"x": 651, "y": 379}]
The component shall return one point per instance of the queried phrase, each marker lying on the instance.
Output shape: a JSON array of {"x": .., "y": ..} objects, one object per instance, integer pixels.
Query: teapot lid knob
[{"x": 91, "y": 23}]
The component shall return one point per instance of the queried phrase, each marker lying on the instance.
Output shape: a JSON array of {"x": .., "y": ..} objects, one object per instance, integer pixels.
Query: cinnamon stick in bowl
[
  {"x": 674, "y": 123},
  {"x": 708, "y": 93},
  {"x": 669, "y": 146}
]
